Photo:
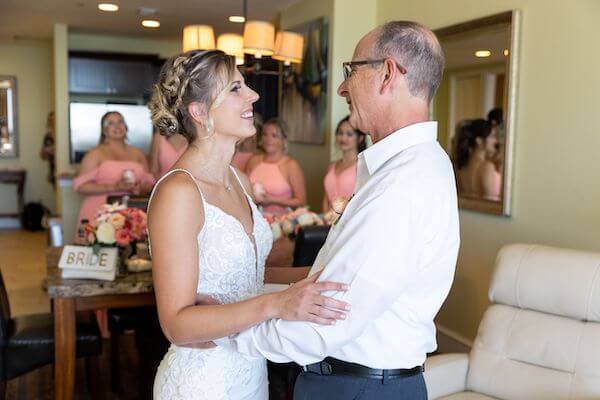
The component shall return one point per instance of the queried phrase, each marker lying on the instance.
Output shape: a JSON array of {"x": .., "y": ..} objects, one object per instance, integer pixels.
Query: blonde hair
[
  {"x": 195, "y": 76},
  {"x": 282, "y": 128}
]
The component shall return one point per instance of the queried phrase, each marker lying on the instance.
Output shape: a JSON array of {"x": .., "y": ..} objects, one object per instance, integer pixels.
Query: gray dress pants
[{"x": 311, "y": 386}]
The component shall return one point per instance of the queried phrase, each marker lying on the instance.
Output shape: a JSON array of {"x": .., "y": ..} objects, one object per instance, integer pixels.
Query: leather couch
[{"x": 540, "y": 337}]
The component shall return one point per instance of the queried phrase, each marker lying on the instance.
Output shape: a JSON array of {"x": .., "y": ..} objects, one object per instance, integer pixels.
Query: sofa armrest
[{"x": 446, "y": 374}]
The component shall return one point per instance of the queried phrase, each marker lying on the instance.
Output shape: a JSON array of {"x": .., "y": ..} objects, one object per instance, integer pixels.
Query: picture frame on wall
[{"x": 303, "y": 94}]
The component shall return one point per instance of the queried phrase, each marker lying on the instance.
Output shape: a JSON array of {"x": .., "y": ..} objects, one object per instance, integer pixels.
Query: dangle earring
[{"x": 209, "y": 128}]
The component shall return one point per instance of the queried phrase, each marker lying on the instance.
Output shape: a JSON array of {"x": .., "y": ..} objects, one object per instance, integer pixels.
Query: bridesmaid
[
  {"x": 111, "y": 168},
  {"x": 165, "y": 151},
  {"x": 341, "y": 174},
  {"x": 277, "y": 179}
]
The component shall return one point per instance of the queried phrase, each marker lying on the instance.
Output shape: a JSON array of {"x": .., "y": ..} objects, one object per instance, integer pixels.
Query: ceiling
[
  {"x": 459, "y": 50},
  {"x": 34, "y": 19}
]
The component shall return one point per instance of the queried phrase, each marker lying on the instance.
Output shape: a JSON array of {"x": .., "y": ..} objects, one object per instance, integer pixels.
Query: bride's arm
[{"x": 175, "y": 219}]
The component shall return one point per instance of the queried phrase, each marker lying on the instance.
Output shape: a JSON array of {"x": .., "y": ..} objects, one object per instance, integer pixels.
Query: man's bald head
[{"x": 417, "y": 49}]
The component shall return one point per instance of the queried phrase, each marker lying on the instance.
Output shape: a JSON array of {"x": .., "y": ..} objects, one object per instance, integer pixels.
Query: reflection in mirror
[
  {"x": 8, "y": 116},
  {"x": 474, "y": 107}
]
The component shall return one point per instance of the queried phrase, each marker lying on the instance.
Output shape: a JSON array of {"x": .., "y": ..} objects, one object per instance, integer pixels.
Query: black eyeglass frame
[{"x": 347, "y": 67}]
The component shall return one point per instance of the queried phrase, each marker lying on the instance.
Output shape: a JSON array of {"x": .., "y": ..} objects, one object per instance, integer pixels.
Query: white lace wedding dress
[{"x": 231, "y": 269}]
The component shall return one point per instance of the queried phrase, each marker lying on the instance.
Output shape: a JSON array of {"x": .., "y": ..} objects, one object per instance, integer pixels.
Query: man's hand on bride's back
[{"x": 303, "y": 301}]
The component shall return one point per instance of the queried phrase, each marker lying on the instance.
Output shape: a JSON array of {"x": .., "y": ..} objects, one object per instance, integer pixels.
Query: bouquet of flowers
[
  {"x": 115, "y": 224},
  {"x": 290, "y": 223}
]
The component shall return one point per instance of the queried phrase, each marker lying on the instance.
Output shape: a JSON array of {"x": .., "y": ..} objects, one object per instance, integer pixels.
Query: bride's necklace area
[{"x": 210, "y": 172}]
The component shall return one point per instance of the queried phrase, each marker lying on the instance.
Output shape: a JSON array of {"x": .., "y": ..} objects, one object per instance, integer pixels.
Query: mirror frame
[
  {"x": 513, "y": 17},
  {"x": 14, "y": 153}
]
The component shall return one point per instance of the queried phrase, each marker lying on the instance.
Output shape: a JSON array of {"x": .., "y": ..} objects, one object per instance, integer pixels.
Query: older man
[{"x": 395, "y": 244}]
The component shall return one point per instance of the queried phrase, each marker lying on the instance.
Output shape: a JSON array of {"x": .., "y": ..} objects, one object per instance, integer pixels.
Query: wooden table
[
  {"x": 130, "y": 290},
  {"x": 72, "y": 295},
  {"x": 16, "y": 177}
]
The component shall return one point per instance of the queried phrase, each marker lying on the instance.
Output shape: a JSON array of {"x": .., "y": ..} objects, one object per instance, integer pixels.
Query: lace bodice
[{"x": 231, "y": 269}]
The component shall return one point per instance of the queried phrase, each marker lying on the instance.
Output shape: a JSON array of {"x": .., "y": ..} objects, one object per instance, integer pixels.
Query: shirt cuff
[{"x": 223, "y": 342}]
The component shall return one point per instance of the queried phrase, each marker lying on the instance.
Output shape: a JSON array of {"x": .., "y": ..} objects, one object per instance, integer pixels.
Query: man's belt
[{"x": 333, "y": 366}]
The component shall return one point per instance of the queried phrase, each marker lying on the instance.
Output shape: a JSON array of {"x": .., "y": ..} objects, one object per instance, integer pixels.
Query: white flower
[
  {"x": 306, "y": 219},
  {"x": 106, "y": 233},
  {"x": 287, "y": 226},
  {"x": 276, "y": 230},
  {"x": 117, "y": 220}
]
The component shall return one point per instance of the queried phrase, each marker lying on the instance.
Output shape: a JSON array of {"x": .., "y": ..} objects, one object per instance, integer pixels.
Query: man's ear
[
  {"x": 197, "y": 111},
  {"x": 389, "y": 76}
]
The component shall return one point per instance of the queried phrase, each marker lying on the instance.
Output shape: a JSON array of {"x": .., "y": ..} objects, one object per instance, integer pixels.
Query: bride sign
[{"x": 83, "y": 263}]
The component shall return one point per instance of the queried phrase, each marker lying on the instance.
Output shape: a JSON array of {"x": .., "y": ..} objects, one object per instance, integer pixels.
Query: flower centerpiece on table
[
  {"x": 290, "y": 223},
  {"x": 116, "y": 225}
]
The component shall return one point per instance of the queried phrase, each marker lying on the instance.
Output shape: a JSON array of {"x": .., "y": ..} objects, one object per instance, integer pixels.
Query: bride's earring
[{"x": 209, "y": 128}]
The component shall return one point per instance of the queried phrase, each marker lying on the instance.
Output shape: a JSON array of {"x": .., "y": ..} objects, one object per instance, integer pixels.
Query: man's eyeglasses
[{"x": 348, "y": 66}]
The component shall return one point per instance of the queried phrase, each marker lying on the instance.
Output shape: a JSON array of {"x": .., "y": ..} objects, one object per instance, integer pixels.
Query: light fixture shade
[
  {"x": 288, "y": 47},
  {"x": 232, "y": 44},
  {"x": 258, "y": 38},
  {"x": 198, "y": 37}
]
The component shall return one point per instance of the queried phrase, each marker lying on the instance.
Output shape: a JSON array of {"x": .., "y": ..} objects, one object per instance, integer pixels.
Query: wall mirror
[
  {"x": 8, "y": 117},
  {"x": 475, "y": 107}
]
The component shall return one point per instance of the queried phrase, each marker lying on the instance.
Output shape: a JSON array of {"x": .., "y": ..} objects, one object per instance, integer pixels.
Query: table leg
[
  {"x": 20, "y": 193},
  {"x": 64, "y": 348}
]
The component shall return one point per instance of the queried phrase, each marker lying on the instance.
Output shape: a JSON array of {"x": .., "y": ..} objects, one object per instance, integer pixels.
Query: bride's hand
[{"x": 303, "y": 301}]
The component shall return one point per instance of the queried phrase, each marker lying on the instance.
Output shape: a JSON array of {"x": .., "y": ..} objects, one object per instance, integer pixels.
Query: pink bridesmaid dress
[
  {"x": 275, "y": 184},
  {"x": 108, "y": 172},
  {"x": 339, "y": 185},
  {"x": 240, "y": 159},
  {"x": 167, "y": 155}
]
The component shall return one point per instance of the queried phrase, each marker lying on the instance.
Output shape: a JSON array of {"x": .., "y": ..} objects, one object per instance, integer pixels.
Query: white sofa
[{"x": 540, "y": 337}]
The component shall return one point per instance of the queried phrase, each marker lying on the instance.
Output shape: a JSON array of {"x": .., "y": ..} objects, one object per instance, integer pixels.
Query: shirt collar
[{"x": 411, "y": 135}]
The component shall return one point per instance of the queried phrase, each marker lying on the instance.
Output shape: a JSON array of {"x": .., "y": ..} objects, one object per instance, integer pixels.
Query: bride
[{"x": 209, "y": 241}]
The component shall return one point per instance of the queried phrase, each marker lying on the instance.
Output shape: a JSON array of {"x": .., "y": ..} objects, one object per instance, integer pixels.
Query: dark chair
[
  {"x": 309, "y": 241},
  {"x": 282, "y": 376},
  {"x": 27, "y": 343}
]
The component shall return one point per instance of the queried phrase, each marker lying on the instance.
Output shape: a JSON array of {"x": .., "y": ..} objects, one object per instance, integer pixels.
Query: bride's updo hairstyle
[{"x": 195, "y": 76}]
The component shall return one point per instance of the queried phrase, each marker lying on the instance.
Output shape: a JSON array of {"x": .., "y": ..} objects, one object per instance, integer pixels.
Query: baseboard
[
  {"x": 10, "y": 223},
  {"x": 449, "y": 341}
]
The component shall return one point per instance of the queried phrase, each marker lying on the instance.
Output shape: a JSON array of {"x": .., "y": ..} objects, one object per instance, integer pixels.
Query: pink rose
[{"x": 123, "y": 237}]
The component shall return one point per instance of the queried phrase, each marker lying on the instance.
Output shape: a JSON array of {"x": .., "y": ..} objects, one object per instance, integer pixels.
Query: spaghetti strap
[
  {"x": 156, "y": 186},
  {"x": 239, "y": 181},
  {"x": 169, "y": 173}
]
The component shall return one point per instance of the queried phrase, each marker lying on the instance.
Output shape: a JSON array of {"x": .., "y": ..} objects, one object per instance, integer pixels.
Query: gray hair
[{"x": 417, "y": 49}]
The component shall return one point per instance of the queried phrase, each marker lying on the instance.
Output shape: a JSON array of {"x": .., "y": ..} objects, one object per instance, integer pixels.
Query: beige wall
[
  {"x": 31, "y": 63},
  {"x": 556, "y": 191},
  {"x": 348, "y": 21}
]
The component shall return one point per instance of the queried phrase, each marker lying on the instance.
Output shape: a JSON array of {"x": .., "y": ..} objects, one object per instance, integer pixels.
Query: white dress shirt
[{"x": 396, "y": 246}]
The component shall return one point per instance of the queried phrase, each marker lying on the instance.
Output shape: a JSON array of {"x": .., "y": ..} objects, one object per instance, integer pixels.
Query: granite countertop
[{"x": 124, "y": 283}]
